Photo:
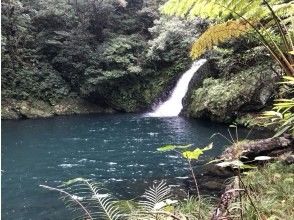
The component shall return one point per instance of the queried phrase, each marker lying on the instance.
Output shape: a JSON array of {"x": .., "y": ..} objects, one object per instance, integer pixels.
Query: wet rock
[
  {"x": 213, "y": 185},
  {"x": 289, "y": 159},
  {"x": 231, "y": 88},
  {"x": 13, "y": 109},
  {"x": 214, "y": 170},
  {"x": 272, "y": 147}
]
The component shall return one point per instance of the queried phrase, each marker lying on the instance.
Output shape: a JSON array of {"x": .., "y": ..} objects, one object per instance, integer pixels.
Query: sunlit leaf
[
  {"x": 170, "y": 147},
  {"x": 195, "y": 154},
  {"x": 166, "y": 148},
  {"x": 184, "y": 146},
  {"x": 192, "y": 155}
]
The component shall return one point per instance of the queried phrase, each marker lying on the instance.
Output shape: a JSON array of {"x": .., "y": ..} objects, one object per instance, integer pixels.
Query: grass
[
  {"x": 184, "y": 209},
  {"x": 190, "y": 208},
  {"x": 271, "y": 189}
]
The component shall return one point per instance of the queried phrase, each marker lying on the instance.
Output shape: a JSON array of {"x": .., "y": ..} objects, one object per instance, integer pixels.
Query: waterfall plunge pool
[{"x": 116, "y": 150}]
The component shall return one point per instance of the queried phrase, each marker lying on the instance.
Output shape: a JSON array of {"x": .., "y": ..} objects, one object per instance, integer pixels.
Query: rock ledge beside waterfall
[{"x": 231, "y": 85}]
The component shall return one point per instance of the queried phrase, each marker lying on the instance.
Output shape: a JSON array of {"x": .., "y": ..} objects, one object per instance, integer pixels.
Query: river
[{"x": 116, "y": 150}]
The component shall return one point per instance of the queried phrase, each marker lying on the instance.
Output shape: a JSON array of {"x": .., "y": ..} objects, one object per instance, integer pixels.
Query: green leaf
[
  {"x": 195, "y": 154},
  {"x": 192, "y": 155},
  {"x": 170, "y": 147},
  {"x": 246, "y": 166},
  {"x": 282, "y": 130},
  {"x": 166, "y": 148}
]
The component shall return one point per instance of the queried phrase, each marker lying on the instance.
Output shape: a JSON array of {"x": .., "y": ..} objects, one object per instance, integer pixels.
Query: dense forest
[
  {"x": 107, "y": 67},
  {"x": 65, "y": 57}
]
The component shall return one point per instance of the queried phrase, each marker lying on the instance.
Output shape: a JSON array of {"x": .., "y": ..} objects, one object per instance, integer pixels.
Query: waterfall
[{"x": 173, "y": 105}]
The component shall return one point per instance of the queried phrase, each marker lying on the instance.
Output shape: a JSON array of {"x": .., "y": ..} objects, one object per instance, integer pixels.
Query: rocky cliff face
[{"x": 235, "y": 82}]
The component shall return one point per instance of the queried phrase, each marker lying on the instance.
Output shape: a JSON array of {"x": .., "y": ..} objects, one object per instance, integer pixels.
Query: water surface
[{"x": 117, "y": 150}]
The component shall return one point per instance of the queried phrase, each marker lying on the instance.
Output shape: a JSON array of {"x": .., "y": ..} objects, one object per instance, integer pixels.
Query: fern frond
[
  {"x": 217, "y": 34},
  {"x": 218, "y": 9},
  {"x": 284, "y": 10},
  {"x": 155, "y": 195},
  {"x": 89, "y": 199},
  {"x": 104, "y": 201},
  {"x": 72, "y": 201},
  {"x": 255, "y": 13},
  {"x": 282, "y": 114}
]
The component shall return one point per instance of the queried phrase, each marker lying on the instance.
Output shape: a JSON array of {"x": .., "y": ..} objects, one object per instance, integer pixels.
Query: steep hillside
[{"x": 65, "y": 57}]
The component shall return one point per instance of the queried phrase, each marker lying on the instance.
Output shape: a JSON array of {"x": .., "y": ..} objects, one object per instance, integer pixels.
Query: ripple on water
[
  {"x": 69, "y": 165},
  {"x": 84, "y": 160},
  {"x": 182, "y": 177}
]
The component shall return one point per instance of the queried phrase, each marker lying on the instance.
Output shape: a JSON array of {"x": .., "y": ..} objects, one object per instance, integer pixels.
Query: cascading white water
[{"x": 173, "y": 106}]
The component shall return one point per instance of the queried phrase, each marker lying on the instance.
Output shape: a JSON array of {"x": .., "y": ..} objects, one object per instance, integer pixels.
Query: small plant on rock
[{"x": 189, "y": 156}]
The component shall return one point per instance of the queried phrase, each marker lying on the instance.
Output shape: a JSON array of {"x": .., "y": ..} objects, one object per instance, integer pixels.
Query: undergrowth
[
  {"x": 190, "y": 205},
  {"x": 271, "y": 188}
]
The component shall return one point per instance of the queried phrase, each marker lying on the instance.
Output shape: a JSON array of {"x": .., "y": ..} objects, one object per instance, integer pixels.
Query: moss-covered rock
[
  {"x": 222, "y": 99},
  {"x": 14, "y": 109}
]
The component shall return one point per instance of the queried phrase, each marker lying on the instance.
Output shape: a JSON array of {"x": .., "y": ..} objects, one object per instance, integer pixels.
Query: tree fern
[
  {"x": 218, "y": 9},
  {"x": 87, "y": 200},
  {"x": 256, "y": 13},
  {"x": 217, "y": 34}
]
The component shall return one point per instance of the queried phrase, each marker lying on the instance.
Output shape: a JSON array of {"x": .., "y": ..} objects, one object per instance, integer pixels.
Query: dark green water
[{"x": 117, "y": 150}]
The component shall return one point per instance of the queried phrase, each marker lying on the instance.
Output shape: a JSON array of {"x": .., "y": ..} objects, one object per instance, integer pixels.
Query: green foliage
[
  {"x": 190, "y": 207},
  {"x": 224, "y": 97},
  {"x": 190, "y": 155},
  {"x": 171, "y": 38},
  {"x": 271, "y": 189},
  {"x": 170, "y": 147},
  {"x": 217, "y": 34},
  {"x": 155, "y": 197},
  {"x": 124, "y": 54},
  {"x": 282, "y": 114},
  {"x": 219, "y": 10},
  {"x": 260, "y": 15},
  {"x": 87, "y": 197},
  {"x": 196, "y": 153},
  {"x": 93, "y": 50}
]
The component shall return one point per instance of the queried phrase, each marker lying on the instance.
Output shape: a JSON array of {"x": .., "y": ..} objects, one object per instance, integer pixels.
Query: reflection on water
[{"x": 117, "y": 150}]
